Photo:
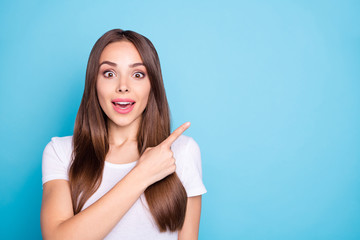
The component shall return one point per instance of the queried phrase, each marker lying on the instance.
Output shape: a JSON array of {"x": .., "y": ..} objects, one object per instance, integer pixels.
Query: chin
[{"x": 124, "y": 122}]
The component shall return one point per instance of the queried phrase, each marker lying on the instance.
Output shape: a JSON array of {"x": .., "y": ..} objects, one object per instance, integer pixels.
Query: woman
[{"x": 122, "y": 175}]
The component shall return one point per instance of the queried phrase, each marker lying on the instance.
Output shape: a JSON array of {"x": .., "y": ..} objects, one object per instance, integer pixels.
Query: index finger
[{"x": 175, "y": 134}]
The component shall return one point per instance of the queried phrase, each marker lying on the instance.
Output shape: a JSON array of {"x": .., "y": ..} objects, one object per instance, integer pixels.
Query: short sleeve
[
  {"x": 56, "y": 159},
  {"x": 188, "y": 165}
]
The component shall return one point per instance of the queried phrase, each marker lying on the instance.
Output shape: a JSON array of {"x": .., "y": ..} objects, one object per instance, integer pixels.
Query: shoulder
[
  {"x": 184, "y": 143},
  {"x": 186, "y": 152},
  {"x": 67, "y": 140},
  {"x": 56, "y": 158},
  {"x": 188, "y": 165},
  {"x": 61, "y": 143},
  {"x": 61, "y": 146}
]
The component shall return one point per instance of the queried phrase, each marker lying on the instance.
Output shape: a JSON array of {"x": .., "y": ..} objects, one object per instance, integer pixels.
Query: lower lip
[{"x": 123, "y": 110}]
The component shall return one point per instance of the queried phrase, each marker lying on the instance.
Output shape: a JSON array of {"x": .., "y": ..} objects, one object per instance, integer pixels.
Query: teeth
[{"x": 123, "y": 103}]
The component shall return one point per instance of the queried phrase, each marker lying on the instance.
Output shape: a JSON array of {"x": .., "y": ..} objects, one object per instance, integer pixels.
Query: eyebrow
[
  {"x": 109, "y": 63},
  {"x": 114, "y": 64},
  {"x": 136, "y": 64}
]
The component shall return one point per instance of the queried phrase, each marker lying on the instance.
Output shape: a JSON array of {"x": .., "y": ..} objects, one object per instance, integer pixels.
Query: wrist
[{"x": 139, "y": 178}]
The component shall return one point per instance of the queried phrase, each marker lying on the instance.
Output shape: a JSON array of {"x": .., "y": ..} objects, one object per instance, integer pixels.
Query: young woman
[{"x": 122, "y": 175}]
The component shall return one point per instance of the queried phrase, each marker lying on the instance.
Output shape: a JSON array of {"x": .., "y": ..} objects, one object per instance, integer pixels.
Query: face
[{"x": 123, "y": 86}]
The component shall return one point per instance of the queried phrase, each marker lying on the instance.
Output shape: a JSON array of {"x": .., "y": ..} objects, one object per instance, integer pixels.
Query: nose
[{"x": 123, "y": 85}]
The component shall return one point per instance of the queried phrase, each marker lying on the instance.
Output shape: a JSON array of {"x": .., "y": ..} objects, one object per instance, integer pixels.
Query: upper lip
[{"x": 123, "y": 100}]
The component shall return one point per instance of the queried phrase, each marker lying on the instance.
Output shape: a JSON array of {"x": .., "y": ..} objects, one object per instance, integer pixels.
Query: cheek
[
  {"x": 146, "y": 93},
  {"x": 101, "y": 93}
]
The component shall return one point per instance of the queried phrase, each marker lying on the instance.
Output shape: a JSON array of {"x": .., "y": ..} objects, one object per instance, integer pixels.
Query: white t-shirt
[{"x": 138, "y": 222}]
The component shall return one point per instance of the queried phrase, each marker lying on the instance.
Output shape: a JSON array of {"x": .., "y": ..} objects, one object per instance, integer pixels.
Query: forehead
[{"x": 123, "y": 51}]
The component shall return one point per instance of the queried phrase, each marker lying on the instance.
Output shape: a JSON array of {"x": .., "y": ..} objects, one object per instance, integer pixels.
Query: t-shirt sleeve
[
  {"x": 188, "y": 163},
  {"x": 54, "y": 164}
]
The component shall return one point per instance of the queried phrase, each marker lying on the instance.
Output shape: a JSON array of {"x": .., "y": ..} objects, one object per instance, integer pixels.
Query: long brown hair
[{"x": 167, "y": 198}]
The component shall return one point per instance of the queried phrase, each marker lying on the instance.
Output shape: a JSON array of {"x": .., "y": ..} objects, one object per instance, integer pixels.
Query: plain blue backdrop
[{"x": 271, "y": 89}]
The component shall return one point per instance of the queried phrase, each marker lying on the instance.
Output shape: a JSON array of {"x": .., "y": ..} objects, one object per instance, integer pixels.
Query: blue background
[{"x": 271, "y": 88}]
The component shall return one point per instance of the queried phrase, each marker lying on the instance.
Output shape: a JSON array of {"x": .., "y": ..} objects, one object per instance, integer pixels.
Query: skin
[
  {"x": 116, "y": 79},
  {"x": 96, "y": 221}
]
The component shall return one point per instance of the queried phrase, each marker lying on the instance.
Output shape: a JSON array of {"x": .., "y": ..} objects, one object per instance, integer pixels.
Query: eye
[
  {"x": 108, "y": 74},
  {"x": 139, "y": 75}
]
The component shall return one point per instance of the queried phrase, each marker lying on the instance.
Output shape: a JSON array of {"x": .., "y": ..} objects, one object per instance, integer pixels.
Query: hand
[{"x": 158, "y": 162}]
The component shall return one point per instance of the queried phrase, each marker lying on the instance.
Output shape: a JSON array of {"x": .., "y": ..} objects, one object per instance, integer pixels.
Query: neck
[{"x": 118, "y": 135}]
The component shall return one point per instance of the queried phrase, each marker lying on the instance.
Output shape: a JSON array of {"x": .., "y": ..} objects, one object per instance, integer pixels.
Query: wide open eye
[
  {"x": 138, "y": 75},
  {"x": 108, "y": 74}
]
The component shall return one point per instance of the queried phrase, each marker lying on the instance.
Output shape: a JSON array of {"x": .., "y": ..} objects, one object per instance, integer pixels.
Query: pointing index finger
[{"x": 175, "y": 134}]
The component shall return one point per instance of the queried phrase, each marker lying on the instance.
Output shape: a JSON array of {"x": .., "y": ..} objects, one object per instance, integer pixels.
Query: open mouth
[{"x": 123, "y": 105}]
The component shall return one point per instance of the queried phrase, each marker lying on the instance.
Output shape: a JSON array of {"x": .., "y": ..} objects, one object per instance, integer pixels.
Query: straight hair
[{"x": 167, "y": 198}]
